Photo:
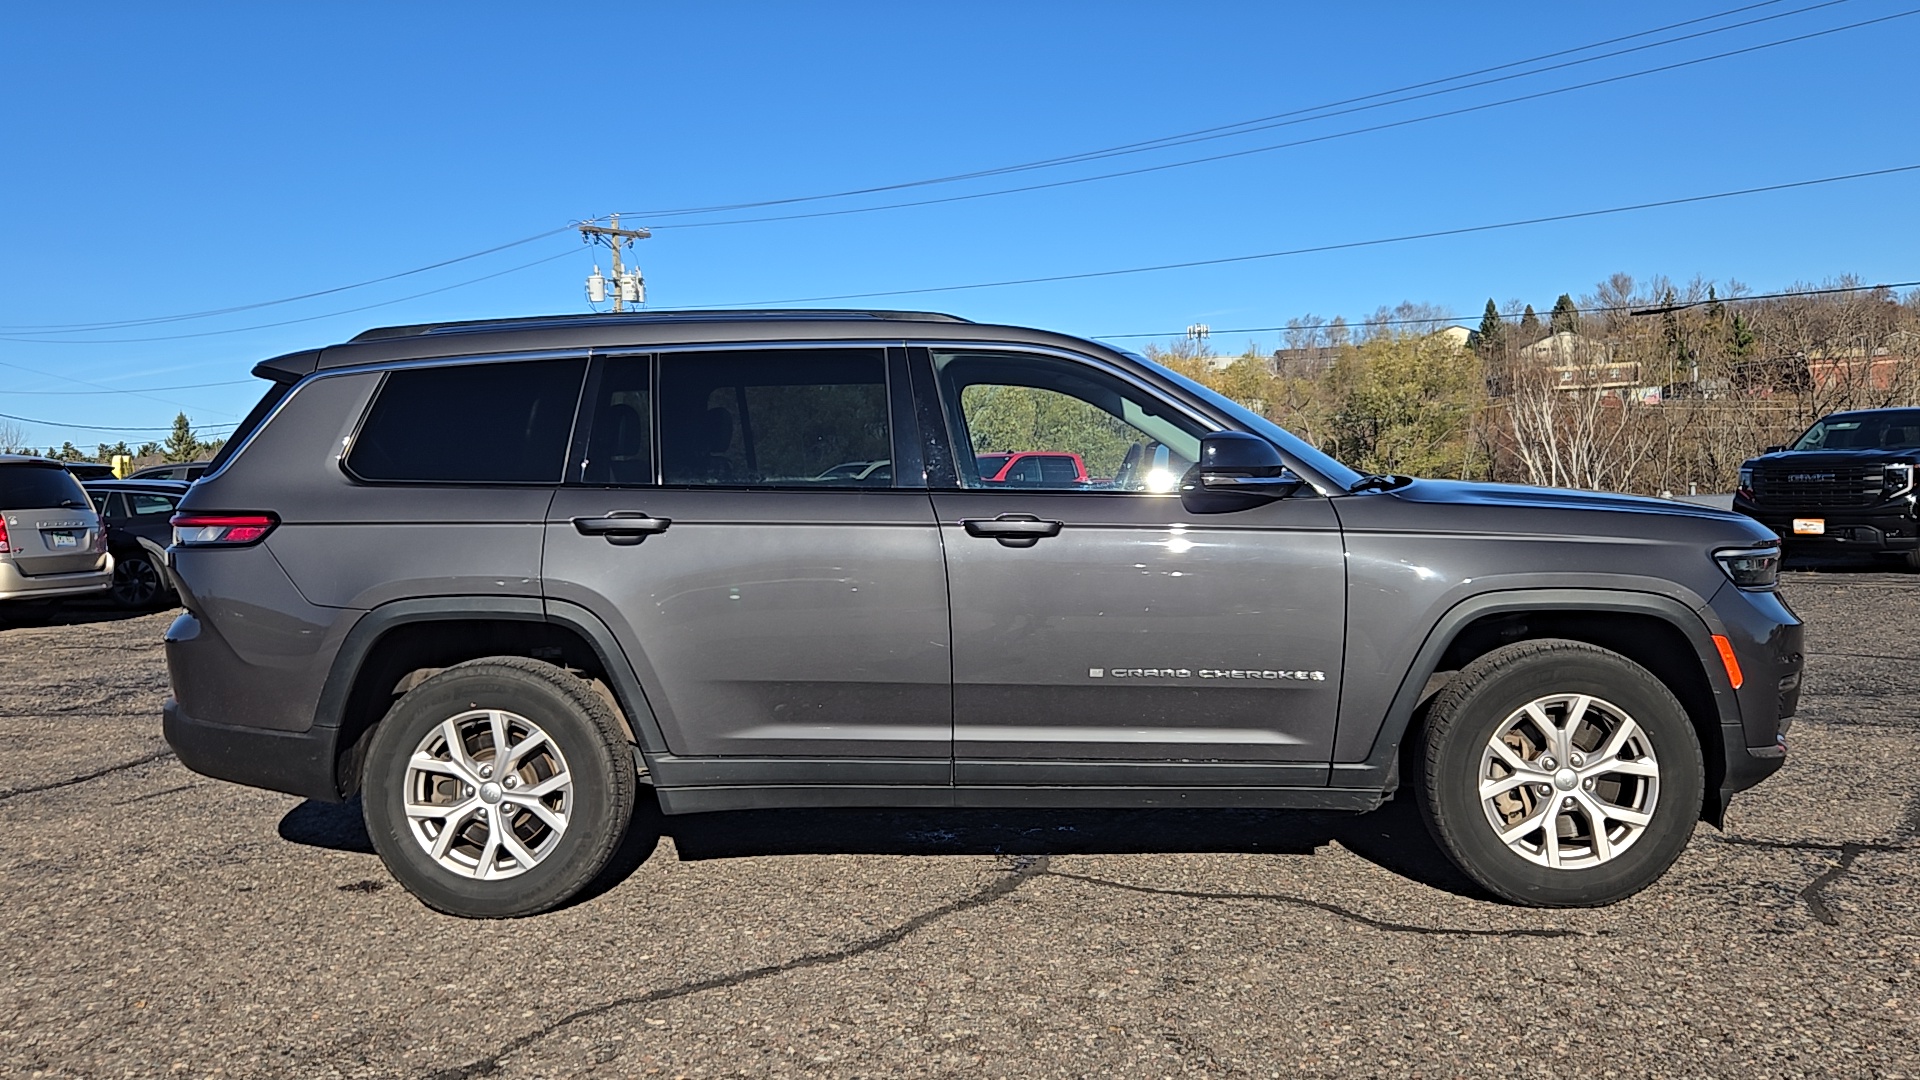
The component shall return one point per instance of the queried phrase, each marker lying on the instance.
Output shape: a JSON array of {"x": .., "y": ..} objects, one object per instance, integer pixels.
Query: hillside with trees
[{"x": 1594, "y": 395}]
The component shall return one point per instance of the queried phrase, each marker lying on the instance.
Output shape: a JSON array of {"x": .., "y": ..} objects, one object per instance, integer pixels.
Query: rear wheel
[
  {"x": 137, "y": 582},
  {"x": 1561, "y": 774},
  {"x": 498, "y": 787}
]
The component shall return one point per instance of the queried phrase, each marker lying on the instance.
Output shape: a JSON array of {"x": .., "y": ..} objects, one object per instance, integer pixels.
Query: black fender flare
[
  {"x": 1381, "y": 765},
  {"x": 331, "y": 709}
]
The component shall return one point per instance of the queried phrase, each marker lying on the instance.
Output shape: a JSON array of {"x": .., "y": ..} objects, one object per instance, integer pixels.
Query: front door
[
  {"x": 737, "y": 524},
  {"x": 1096, "y": 621}
]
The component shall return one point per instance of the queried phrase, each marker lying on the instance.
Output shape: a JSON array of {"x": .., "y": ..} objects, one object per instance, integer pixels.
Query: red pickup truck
[{"x": 1032, "y": 468}]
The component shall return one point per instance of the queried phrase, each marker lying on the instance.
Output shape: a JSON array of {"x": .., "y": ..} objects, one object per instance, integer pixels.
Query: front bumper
[
  {"x": 1891, "y": 527},
  {"x": 296, "y": 762}
]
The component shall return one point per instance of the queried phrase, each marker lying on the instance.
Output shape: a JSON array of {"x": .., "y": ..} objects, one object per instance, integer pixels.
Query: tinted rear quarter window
[
  {"x": 500, "y": 423},
  {"x": 39, "y": 487}
]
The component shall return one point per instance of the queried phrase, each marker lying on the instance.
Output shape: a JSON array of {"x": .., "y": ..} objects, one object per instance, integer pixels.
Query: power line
[
  {"x": 128, "y": 390},
  {"x": 1145, "y": 169},
  {"x": 74, "y": 328},
  {"x": 304, "y": 319},
  {"x": 1504, "y": 317},
  {"x": 1260, "y": 123},
  {"x": 1345, "y": 246},
  {"x": 57, "y": 425}
]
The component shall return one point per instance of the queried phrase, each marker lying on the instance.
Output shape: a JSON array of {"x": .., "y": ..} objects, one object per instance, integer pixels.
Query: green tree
[
  {"x": 1740, "y": 339},
  {"x": 1530, "y": 329},
  {"x": 182, "y": 445},
  {"x": 69, "y": 452},
  {"x": 1493, "y": 331},
  {"x": 147, "y": 449},
  {"x": 1563, "y": 317}
]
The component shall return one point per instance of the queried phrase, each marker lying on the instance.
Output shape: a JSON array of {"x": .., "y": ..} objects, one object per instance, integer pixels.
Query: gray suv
[
  {"x": 494, "y": 576},
  {"x": 51, "y": 542}
]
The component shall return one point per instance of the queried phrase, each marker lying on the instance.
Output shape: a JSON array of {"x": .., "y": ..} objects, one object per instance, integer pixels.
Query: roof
[
  {"x": 30, "y": 459},
  {"x": 647, "y": 318},
  {"x": 647, "y": 330},
  {"x": 171, "y": 487}
]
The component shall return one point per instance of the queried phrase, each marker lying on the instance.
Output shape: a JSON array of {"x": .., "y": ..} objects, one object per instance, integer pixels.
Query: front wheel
[
  {"x": 1560, "y": 774},
  {"x": 498, "y": 787}
]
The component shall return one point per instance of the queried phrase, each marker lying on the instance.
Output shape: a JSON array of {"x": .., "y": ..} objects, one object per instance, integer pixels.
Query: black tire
[
  {"x": 1490, "y": 696},
  {"x": 137, "y": 583},
  {"x": 591, "y": 750}
]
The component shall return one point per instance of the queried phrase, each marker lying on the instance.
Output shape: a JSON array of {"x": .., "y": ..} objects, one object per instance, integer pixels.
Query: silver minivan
[{"x": 51, "y": 542}]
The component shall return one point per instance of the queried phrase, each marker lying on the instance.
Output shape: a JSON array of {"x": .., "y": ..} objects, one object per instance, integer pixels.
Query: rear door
[
  {"x": 51, "y": 525},
  {"x": 776, "y": 604}
]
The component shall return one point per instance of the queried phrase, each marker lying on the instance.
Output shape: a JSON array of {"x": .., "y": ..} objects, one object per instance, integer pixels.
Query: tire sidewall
[
  {"x": 581, "y": 850},
  {"x": 124, "y": 565},
  {"x": 1616, "y": 680}
]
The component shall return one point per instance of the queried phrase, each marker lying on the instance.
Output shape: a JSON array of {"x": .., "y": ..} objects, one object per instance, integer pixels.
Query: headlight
[
  {"x": 1899, "y": 480},
  {"x": 1751, "y": 567}
]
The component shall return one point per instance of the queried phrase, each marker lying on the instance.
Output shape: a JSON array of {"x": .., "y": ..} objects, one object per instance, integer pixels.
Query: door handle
[
  {"x": 1012, "y": 530},
  {"x": 622, "y": 527}
]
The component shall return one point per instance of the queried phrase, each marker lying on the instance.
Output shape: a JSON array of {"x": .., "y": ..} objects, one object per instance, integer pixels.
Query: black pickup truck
[{"x": 1846, "y": 485}]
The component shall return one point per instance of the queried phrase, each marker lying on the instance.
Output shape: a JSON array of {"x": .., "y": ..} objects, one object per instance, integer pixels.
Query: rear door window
[
  {"x": 494, "y": 423},
  {"x": 788, "y": 418}
]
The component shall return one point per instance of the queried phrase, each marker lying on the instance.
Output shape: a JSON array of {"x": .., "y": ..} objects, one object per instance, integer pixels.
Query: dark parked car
[
  {"x": 51, "y": 542},
  {"x": 138, "y": 517},
  {"x": 89, "y": 470},
  {"x": 493, "y": 576},
  {"x": 1846, "y": 485},
  {"x": 191, "y": 470}
]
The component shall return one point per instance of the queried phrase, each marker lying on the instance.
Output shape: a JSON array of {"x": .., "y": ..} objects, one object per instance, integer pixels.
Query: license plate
[
  {"x": 1809, "y": 526},
  {"x": 58, "y": 540}
]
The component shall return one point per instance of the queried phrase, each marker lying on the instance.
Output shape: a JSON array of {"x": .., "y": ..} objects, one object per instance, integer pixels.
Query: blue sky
[{"x": 163, "y": 160}]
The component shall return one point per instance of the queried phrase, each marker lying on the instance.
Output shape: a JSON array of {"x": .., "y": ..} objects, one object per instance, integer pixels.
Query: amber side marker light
[{"x": 1726, "y": 657}]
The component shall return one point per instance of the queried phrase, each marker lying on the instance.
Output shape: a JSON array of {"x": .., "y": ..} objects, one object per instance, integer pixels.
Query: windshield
[
  {"x": 1289, "y": 443},
  {"x": 1893, "y": 429}
]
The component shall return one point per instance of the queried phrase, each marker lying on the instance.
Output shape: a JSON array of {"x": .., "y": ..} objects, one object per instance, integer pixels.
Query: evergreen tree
[
  {"x": 1493, "y": 331},
  {"x": 1530, "y": 331},
  {"x": 181, "y": 444},
  {"x": 1563, "y": 318},
  {"x": 1740, "y": 340},
  {"x": 1716, "y": 311},
  {"x": 147, "y": 449},
  {"x": 69, "y": 452}
]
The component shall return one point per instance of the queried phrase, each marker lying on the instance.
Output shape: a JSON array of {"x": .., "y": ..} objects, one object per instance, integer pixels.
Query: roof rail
[{"x": 645, "y": 318}]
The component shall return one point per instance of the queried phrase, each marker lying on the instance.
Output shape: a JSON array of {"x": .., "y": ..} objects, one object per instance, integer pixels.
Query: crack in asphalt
[
  {"x": 72, "y": 780},
  {"x": 1025, "y": 869},
  {"x": 1321, "y": 905},
  {"x": 1814, "y": 895}
]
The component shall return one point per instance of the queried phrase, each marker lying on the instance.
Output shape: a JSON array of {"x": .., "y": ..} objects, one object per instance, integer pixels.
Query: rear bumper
[
  {"x": 296, "y": 762},
  {"x": 17, "y": 586}
]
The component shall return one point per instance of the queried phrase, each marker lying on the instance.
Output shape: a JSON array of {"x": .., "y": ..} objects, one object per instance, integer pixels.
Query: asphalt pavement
[{"x": 160, "y": 923}]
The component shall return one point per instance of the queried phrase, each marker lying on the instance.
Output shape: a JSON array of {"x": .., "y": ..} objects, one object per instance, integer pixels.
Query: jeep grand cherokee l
[{"x": 492, "y": 576}]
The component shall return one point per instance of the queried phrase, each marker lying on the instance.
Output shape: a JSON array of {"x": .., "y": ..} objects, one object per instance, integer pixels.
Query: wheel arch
[
  {"x": 391, "y": 647},
  {"x": 1661, "y": 634}
]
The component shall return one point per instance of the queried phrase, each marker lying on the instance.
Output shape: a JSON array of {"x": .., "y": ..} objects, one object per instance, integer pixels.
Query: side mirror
[
  {"x": 1236, "y": 471},
  {"x": 1773, "y": 449}
]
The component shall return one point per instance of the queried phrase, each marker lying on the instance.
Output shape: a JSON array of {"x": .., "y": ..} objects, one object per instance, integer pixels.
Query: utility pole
[{"x": 628, "y": 288}]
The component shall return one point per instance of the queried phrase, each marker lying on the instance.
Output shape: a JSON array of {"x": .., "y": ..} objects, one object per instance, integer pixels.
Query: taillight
[
  {"x": 221, "y": 530},
  {"x": 3, "y": 538}
]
